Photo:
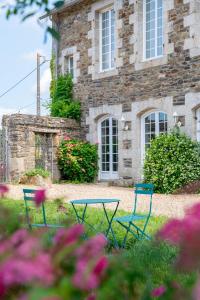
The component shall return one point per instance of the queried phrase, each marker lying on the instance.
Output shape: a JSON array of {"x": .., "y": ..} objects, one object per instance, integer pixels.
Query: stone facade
[
  {"x": 23, "y": 149},
  {"x": 135, "y": 87}
]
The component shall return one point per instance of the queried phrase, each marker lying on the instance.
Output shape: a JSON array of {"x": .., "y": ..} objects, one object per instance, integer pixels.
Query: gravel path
[{"x": 166, "y": 205}]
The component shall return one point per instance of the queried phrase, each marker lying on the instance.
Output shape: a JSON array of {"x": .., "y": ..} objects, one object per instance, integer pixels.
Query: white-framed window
[
  {"x": 153, "y": 29},
  {"x": 107, "y": 39},
  {"x": 70, "y": 65},
  {"x": 153, "y": 124}
]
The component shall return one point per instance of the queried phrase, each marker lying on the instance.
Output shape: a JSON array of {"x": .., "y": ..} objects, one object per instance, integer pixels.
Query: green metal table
[{"x": 103, "y": 202}]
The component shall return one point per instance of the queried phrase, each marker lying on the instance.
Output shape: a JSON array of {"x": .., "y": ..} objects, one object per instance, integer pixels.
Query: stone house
[{"x": 136, "y": 70}]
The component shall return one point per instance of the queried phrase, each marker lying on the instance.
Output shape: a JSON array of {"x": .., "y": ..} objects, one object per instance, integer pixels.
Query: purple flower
[
  {"x": 158, "y": 291},
  {"x": 40, "y": 197},
  {"x": 3, "y": 190}
]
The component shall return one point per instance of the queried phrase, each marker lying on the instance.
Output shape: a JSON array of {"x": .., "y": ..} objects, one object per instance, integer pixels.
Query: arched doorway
[{"x": 108, "y": 148}]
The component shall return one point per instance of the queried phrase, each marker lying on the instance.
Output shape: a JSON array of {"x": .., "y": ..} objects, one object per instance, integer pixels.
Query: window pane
[
  {"x": 108, "y": 39},
  {"x": 154, "y": 28},
  {"x": 154, "y": 124}
]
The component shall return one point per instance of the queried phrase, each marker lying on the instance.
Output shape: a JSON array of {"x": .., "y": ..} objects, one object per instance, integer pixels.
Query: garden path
[{"x": 165, "y": 205}]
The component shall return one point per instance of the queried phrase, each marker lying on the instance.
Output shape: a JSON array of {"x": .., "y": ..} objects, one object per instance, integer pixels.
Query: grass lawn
[{"x": 94, "y": 216}]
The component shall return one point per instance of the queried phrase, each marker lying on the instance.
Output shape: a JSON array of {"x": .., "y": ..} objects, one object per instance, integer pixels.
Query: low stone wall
[{"x": 31, "y": 139}]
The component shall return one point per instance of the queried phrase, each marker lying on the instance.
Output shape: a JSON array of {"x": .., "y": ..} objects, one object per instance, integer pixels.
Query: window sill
[
  {"x": 104, "y": 74},
  {"x": 150, "y": 63},
  {"x": 152, "y": 58}
]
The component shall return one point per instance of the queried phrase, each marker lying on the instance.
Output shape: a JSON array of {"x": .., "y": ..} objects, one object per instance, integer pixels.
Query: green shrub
[
  {"x": 66, "y": 110},
  {"x": 38, "y": 171},
  {"x": 62, "y": 103},
  {"x": 78, "y": 161},
  {"x": 172, "y": 161}
]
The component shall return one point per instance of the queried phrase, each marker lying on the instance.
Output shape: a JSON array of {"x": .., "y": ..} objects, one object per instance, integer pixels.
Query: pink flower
[
  {"x": 158, "y": 291},
  {"x": 40, "y": 196},
  {"x": 196, "y": 292},
  {"x": 172, "y": 231},
  {"x": 92, "y": 247},
  {"x": 90, "y": 264},
  {"x": 68, "y": 236},
  {"x": 17, "y": 270},
  {"x": 3, "y": 190},
  {"x": 19, "y": 236},
  {"x": 66, "y": 138},
  {"x": 101, "y": 266},
  {"x": 2, "y": 287},
  {"x": 194, "y": 211},
  {"x": 91, "y": 297}
]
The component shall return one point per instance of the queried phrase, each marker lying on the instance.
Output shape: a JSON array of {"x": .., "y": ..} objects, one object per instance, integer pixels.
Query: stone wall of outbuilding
[{"x": 19, "y": 133}]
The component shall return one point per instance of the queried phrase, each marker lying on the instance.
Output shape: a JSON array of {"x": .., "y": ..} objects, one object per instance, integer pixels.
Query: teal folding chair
[
  {"x": 129, "y": 222},
  {"x": 30, "y": 205}
]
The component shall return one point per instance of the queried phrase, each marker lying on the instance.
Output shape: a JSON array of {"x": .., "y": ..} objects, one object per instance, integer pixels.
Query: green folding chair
[
  {"x": 30, "y": 205},
  {"x": 129, "y": 222}
]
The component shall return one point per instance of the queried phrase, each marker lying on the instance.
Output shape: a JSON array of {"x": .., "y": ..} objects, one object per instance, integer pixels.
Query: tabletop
[{"x": 94, "y": 201}]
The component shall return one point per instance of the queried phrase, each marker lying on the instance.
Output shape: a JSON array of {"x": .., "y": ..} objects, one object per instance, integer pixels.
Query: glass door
[{"x": 109, "y": 149}]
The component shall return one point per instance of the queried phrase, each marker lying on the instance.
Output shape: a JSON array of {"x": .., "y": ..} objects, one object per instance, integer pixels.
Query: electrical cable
[{"x": 21, "y": 80}]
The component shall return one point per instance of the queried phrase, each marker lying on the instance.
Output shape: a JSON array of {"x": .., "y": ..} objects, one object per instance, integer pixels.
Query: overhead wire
[{"x": 20, "y": 81}]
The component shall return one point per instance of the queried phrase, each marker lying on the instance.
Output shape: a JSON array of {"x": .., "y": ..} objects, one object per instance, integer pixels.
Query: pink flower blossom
[
  {"x": 158, "y": 291},
  {"x": 66, "y": 236},
  {"x": 3, "y": 190},
  {"x": 101, "y": 266},
  {"x": 92, "y": 247},
  {"x": 17, "y": 270},
  {"x": 91, "y": 264},
  {"x": 66, "y": 138},
  {"x": 91, "y": 297},
  {"x": 40, "y": 196},
  {"x": 196, "y": 292},
  {"x": 2, "y": 287},
  {"x": 172, "y": 231}
]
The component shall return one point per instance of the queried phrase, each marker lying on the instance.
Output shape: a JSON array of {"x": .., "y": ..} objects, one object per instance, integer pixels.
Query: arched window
[{"x": 153, "y": 124}]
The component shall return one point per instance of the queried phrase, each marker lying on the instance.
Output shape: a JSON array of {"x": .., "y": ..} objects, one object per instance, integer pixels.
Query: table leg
[
  {"x": 110, "y": 224},
  {"x": 80, "y": 219}
]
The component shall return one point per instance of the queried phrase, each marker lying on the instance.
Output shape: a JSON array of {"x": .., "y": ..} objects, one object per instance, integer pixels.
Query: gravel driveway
[{"x": 166, "y": 205}]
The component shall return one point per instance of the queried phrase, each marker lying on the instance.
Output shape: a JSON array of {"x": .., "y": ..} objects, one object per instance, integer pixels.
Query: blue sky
[{"x": 18, "y": 47}]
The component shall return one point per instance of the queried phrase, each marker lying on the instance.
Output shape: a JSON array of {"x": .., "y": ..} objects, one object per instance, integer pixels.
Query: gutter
[{"x": 69, "y": 3}]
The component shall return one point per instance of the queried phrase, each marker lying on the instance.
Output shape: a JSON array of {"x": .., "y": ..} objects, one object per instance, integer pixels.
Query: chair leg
[{"x": 126, "y": 235}]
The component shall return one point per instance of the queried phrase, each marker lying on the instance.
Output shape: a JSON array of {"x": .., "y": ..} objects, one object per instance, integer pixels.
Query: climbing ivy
[{"x": 62, "y": 103}]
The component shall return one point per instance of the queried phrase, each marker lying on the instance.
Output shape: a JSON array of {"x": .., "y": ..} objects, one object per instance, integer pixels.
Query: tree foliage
[{"x": 29, "y": 8}]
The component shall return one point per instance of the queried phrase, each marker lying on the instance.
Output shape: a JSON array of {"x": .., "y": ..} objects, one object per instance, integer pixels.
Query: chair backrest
[
  {"x": 143, "y": 189},
  {"x": 29, "y": 195}
]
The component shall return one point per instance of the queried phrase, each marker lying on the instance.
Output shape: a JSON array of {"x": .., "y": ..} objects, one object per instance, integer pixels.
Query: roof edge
[{"x": 68, "y": 3}]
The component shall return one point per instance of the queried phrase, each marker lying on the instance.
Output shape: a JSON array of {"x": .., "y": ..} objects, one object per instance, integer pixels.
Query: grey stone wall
[
  {"x": 174, "y": 78},
  {"x": 20, "y": 131}
]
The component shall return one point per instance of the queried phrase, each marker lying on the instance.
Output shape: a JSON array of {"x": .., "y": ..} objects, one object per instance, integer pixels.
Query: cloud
[{"x": 45, "y": 80}]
